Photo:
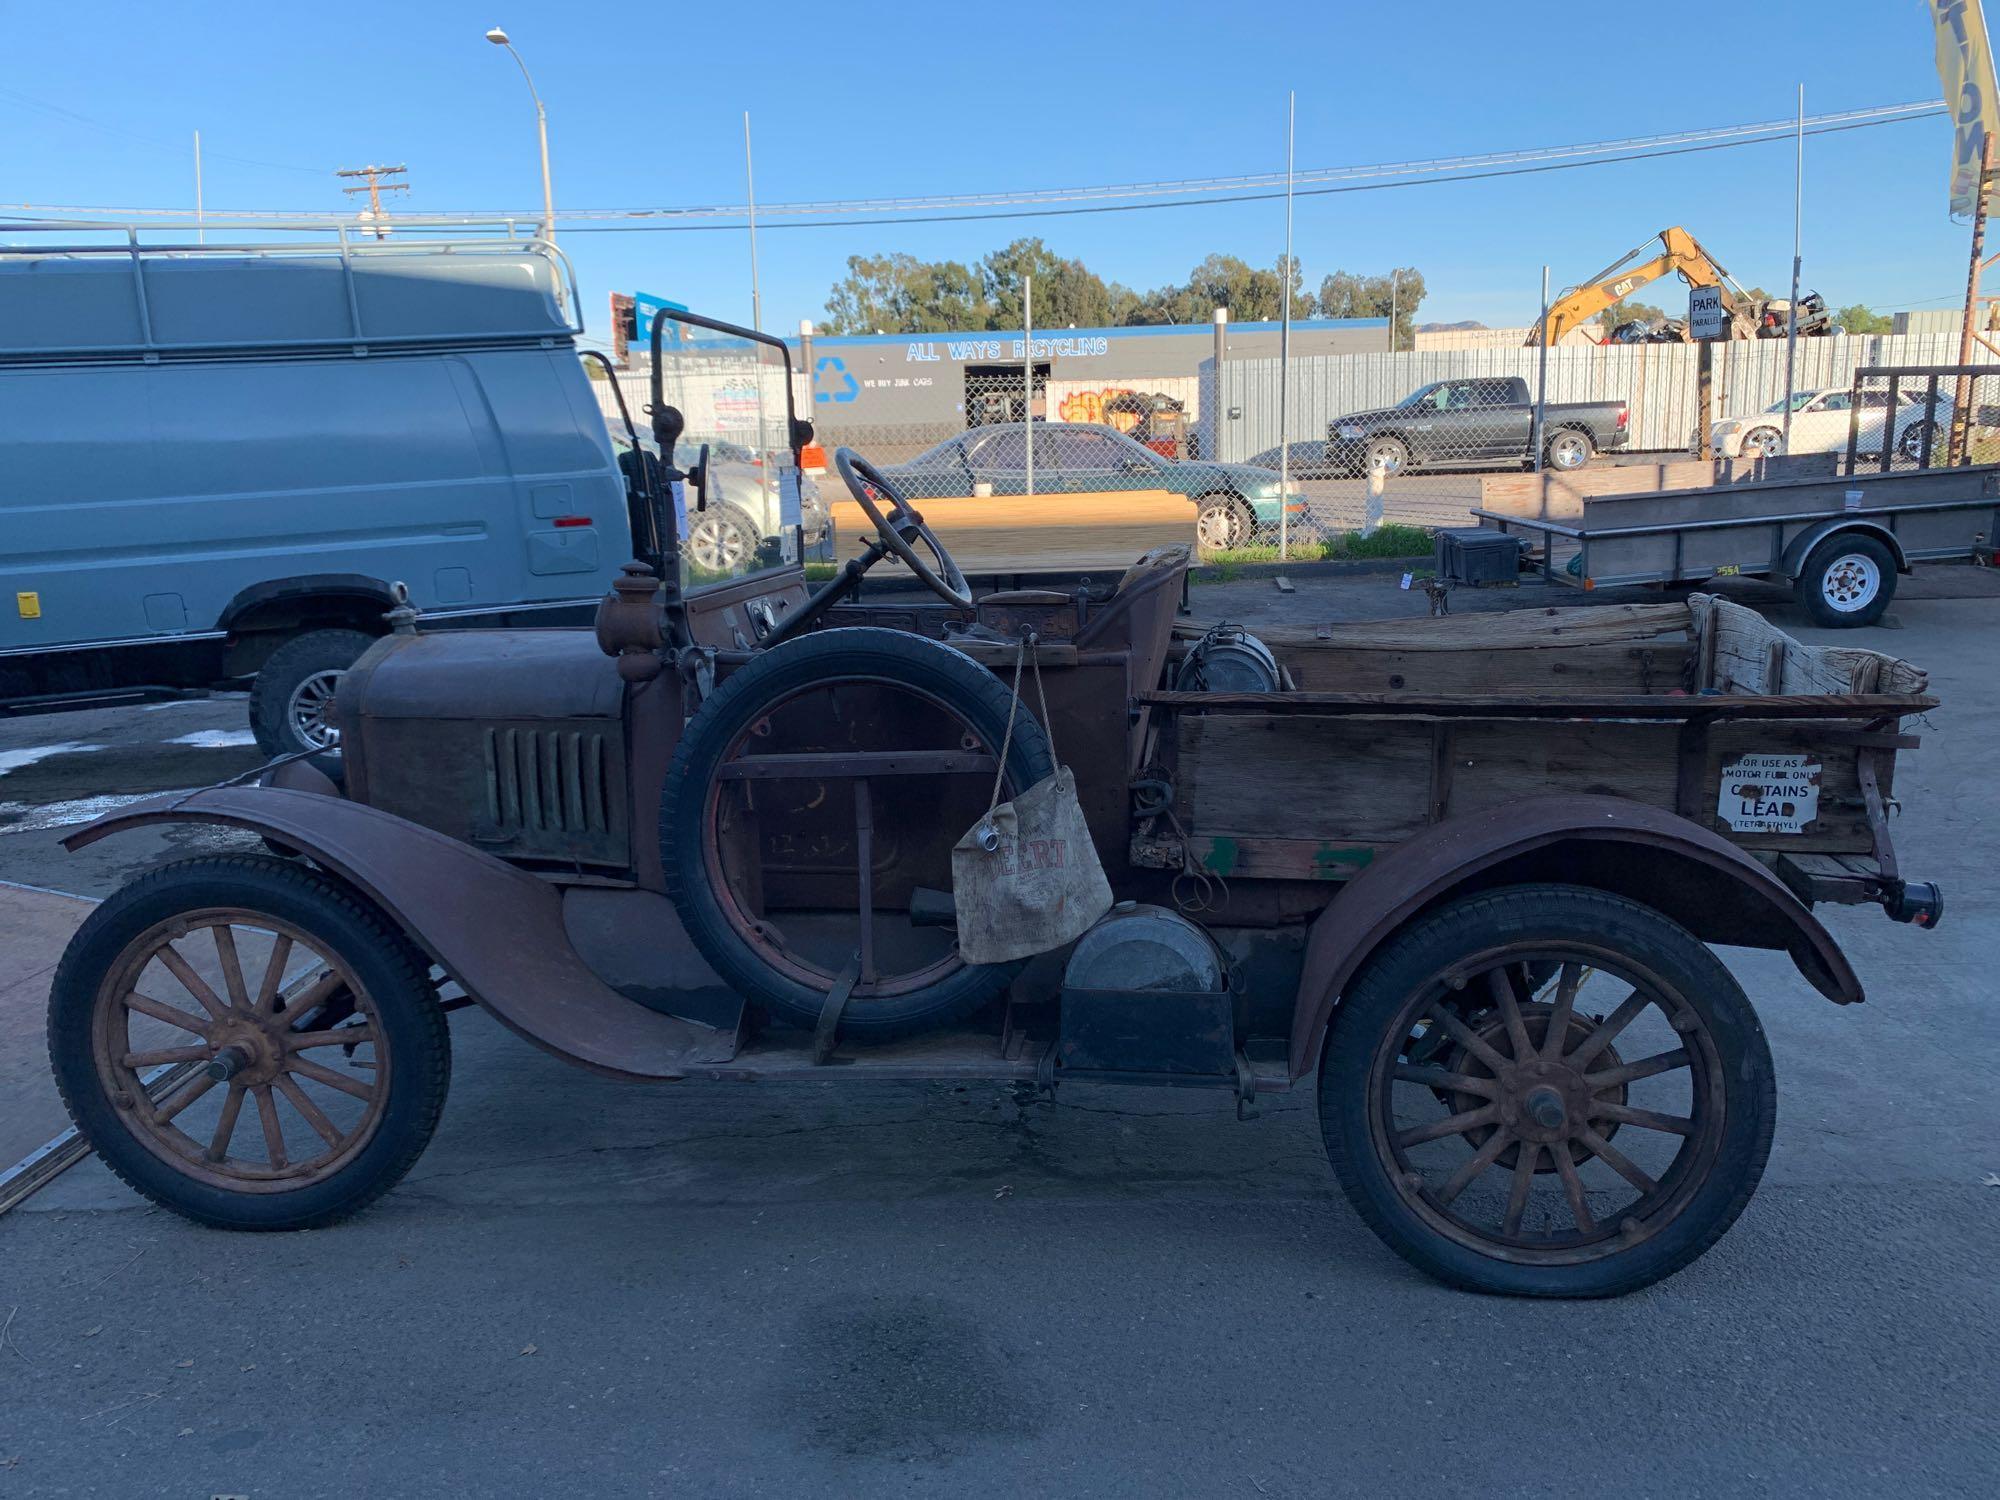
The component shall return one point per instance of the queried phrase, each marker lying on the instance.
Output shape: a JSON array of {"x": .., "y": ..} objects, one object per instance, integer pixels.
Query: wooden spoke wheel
[
  {"x": 1547, "y": 1091},
  {"x": 244, "y": 1042},
  {"x": 280, "y": 1024},
  {"x": 809, "y": 818}
]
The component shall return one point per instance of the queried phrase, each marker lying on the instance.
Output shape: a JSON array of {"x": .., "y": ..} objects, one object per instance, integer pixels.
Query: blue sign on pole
[{"x": 645, "y": 308}]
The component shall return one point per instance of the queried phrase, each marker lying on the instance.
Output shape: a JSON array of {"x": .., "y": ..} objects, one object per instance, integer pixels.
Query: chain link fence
[{"x": 1376, "y": 438}]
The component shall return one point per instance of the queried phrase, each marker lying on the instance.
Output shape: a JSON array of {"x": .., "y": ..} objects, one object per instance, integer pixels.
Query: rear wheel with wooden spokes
[
  {"x": 246, "y": 1043},
  {"x": 1547, "y": 1091}
]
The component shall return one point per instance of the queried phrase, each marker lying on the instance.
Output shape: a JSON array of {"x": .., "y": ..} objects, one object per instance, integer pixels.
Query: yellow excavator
[{"x": 1680, "y": 253}]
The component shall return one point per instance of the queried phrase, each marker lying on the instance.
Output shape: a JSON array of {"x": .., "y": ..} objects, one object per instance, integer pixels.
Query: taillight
[{"x": 1624, "y": 416}]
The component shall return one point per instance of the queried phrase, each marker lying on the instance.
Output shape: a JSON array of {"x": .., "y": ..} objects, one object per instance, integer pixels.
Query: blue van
[{"x": 216, "y": 462}]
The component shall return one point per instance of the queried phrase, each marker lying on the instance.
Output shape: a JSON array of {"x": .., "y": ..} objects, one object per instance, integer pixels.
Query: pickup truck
[{"x": 1487, "y": 419}]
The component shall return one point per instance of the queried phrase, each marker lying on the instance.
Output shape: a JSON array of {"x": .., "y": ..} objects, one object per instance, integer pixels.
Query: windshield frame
[{"x": 669, "y": 423}]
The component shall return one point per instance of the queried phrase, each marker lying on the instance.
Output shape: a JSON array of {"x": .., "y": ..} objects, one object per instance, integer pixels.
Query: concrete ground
[{"x": 599, "y": 1288}]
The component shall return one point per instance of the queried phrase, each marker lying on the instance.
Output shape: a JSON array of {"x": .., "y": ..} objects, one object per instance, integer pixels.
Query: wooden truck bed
[{"x": 1700, "y": 707}]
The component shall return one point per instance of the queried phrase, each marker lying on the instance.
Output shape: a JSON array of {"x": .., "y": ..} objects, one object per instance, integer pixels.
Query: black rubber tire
[
  {"x": 1385, "y": 445},
  {"x": 290, "y": 665},
  {"x": 1242, "y": 524},
  {"x": 1417, "y": 953},
  {"x": 1810, "y": 593},
  {"x": 1564, "y": 435},
  {"x": 381, "y": 957},
  {"x": 819, "y": 657}
]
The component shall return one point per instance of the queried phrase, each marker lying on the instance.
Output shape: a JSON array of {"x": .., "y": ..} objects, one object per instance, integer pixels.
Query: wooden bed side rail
[{"x": 1602, "y": 706}]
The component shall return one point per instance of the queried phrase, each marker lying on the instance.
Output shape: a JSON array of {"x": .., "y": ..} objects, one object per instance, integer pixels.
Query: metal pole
[
  {"x": 750, "y": 180},
  {"x": 1217, "y": 410},
  {"x": 1028, "y": 374},
  {"x": 548, "y": 189},
  {"x": 1798, "y": 206},
  {"x": 1541, "y": 375},
  {"x": 1392, "y": 309},
  {"x": 1960, "y": 413},
  {"x": 1285, "y": 346},
  {"x": 200, "y": 232}
]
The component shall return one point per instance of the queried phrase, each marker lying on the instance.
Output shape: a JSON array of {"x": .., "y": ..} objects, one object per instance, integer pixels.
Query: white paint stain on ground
[
  {"x": 215, "y": 739},
  {"x": 15, "y": 760},
  {"x": 29, "y": 817}
]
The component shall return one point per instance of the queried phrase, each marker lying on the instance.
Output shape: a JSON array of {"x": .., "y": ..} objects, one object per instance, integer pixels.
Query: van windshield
[{"x": 741, "y": 512}]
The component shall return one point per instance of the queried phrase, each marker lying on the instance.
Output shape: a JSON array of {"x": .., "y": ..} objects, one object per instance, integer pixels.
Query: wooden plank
[
  {"x": 1559, "y": 497},
  {"x": 1617, "y": 668},
  {"x": 1742, "y": 646},
  {"x": 1266, "y": 858},
  {"x": 1007, "y": 533},
  {"x": 1495, "y": 630},
  {"x": 1495, "y": 764},
  {"x": 1529, "y": 706},
  {"x": 1328, "y": 779}
]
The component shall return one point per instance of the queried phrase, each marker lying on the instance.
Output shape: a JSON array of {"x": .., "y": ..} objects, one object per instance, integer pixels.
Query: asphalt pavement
[{"x": 588, "y": 1287}]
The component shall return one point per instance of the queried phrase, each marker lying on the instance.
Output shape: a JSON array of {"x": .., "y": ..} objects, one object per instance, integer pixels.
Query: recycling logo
[{"x": 833, "y": 370}]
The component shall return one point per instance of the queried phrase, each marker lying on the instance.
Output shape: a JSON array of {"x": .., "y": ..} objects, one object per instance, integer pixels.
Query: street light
[{"x": 499, "y": 39}]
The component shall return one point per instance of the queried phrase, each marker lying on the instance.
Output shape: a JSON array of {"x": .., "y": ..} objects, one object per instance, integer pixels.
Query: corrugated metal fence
[{"x": 1657, "y": 380}]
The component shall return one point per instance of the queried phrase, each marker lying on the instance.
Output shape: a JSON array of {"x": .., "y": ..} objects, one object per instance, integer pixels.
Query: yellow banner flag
[{"x": 1965, "y": 67}]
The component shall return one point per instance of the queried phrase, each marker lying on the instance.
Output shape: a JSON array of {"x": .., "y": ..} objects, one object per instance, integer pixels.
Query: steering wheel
[{"x": 901, "y": 526}]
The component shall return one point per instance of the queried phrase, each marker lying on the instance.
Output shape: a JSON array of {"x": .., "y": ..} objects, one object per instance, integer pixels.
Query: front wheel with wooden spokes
[
  {"x": 244, "y": 1042},
  {"x": 1547, "y": 1091}
]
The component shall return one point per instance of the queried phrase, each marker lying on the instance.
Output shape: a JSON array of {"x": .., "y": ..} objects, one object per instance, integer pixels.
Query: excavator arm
[{"x": 1680, "y": 252}]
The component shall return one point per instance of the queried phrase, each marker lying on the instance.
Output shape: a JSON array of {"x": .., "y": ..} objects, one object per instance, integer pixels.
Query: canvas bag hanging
[{"x": 1026, "y": 877}]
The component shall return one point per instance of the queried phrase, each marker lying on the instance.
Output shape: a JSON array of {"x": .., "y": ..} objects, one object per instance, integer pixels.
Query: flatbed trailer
[{"x": 1839, "y": 541}]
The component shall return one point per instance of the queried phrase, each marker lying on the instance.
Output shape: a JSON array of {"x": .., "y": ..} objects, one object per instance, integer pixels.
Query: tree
[
  {"x": 901, "y": 294},
  {"x": 1068, "y": 294},
  {"x": 1251, "y": 294},
  {"x": 1397, "y": 294},
  {"x": 1629, "y": 311},
  {"x": 1859, "y": 319}
]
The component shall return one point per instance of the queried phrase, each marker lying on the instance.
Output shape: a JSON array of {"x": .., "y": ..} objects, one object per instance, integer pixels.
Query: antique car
[{"x": 1459, "y": 876}]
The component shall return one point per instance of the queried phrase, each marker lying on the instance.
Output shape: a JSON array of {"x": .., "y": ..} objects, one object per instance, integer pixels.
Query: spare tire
[{"x": 823, "y": 658}]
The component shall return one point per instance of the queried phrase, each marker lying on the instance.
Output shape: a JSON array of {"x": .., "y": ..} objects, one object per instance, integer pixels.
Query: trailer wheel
[
  {"x": 1576, "y": 1133},
  {"x": 1570, "y": 450},
  {"x": 292, "y": 699},
  {"x": 247, "y": 1044},
  {"x": 1848, "y": 580}
]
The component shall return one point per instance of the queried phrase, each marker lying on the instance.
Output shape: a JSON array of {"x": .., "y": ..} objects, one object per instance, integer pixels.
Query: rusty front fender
[
  {"x": 1655, "y": 857},
  {"x": 496, "y": 930}
]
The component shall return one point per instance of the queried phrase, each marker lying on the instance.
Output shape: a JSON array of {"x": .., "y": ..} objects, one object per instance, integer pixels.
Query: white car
[{"x": 1820, "y": 423}]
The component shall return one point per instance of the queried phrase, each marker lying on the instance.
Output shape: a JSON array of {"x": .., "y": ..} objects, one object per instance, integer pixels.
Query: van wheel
[
  {"x": 1547, "y": 1091},
  {"x": 291, "y": 702},
  {"x": 1847, "y": 580}
]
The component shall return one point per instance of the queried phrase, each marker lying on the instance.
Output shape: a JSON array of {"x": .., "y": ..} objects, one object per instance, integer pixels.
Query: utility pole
[
  {"x": 1285, "y": 344},
  {"x": 750, "y": 186},
  {"x": 1798, "y": 211},
  {"x": 374, "y": 187},
  {"x": 200, "y": 230}
]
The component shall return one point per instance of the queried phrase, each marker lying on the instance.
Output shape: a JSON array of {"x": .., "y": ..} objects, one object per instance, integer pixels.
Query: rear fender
[
  {"x": 496, "y": 930},
  {"x": 1800, "y": 547},
  {"x": 1655, "y": 857}
]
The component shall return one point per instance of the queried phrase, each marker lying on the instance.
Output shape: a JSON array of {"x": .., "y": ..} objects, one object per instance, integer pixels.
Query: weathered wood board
[
  {"x": 1283, "y": 786},
  {"x": 1560, "y": 497},
  {"x": 1632, "y": 648},
  {"x": 1008, "y": 533}
]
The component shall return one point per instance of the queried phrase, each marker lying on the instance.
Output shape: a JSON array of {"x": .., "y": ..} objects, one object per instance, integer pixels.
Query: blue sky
[{"x": 645, "y": 105}]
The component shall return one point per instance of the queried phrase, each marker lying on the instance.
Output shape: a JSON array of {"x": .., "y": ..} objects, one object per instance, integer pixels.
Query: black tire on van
[{"x": 290, "y": 700}]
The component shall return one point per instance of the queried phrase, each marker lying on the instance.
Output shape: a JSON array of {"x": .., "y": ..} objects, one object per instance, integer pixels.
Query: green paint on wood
[{"x": 1222, "y": 856}]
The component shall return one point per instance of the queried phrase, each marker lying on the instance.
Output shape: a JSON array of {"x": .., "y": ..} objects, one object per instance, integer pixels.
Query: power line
[
  {"x": 1043, "y": 203},
  {"x": 61, "y": 112}
]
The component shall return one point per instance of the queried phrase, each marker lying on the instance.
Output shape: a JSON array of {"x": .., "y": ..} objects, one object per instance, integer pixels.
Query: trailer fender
[
  {"x": 1800, "y": 547},
  {"x": 496, "y": 930},
  {"x": 1690, "y": 874}
]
